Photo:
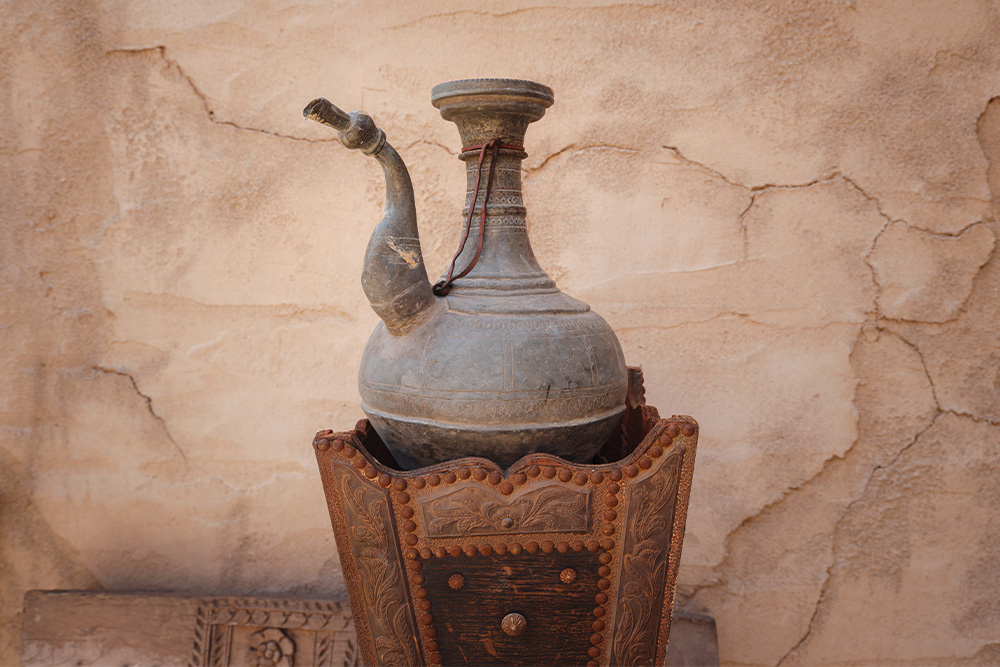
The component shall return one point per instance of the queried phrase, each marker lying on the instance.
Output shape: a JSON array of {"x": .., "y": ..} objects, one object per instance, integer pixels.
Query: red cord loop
[{"x": 443, "y": 287}]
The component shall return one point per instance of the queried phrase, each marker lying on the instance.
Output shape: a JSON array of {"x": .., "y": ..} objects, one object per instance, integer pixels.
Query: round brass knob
[
  {"x": 456, "y": 581},
  {"x": 568, "y": 576},
  {"x": 514, "y": 624}
]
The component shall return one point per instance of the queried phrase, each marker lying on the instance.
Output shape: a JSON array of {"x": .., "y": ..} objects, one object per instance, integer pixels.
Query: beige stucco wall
[{"x": 786, "y": 210}]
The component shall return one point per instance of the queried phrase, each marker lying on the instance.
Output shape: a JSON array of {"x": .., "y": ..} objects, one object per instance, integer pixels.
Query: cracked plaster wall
[{"x": 786, "y": 210}]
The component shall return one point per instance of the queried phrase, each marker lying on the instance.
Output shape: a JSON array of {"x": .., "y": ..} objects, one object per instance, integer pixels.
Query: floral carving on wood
[
  {"x": 473, "y": 510},
  {"x": 379, "y": 566},
  {"x": 271, "y": 647},
  {"x": 644, "y": 564}
]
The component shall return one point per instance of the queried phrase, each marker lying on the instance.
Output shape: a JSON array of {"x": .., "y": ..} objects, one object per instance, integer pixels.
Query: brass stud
[
  {"x": 464, "y": 473},
  {"x": 593, "y": 546},
  {"x": 370, "y": 471},
  {"x": 432, "y": 646},
  {"x": 424, "y": 605},
  {"x": 402, "y": 497},
  {"x": 593, "y": 652},
  {"x": 520, "y": 478},
  {"x": 409, "y": 526},
  {"x": 406, "y": 512},
  {"x": 384, "y": 480},
  {"x": 455, "y": 551},
  {"x": 415, "y": 565},
  {"x": 610, "y": 515},
  {"x": 449, "y": 477},
  {"x": 615, "y": 475},
  {"x": 531, "y": 547},
  {"x": 494, "y": 477},
  {"x": 601, "y": 598},
  {"x": 673, "y": 430},
  {"x": 568, "y": 576},
  {"x": 608, "y": 529},
  {"x": 578, "y": 545},
  {"x": 486, "y": 550},
  {"x": 565, "y": 475},
  {"x": 604, "y": 558},
  {"x": 534, "y": 471},
  {"x": 597, "y": 626},
  {"x": 514, "y": 624},
  {"x": 506, "y": 523},
  {"x": 506, "y": 488},
  {"x": 608, "y": 544},
  {"x": 515, "y": 548},
  {"x": 427, "y": 619},
  {"x": 456, "y": 581},
  {"x": 478, "y": 474},
  {"x": 656, "y": 451},
  {"x": 596, "y": 639},
  {"x": 420, "y": 592},
  {"x": 434, "y": 480},
  {"x": 580, "y": 478},
  {"x": 611, "y": 501},
  {"x": 359, "y": 462},
  {"x": 418, "y": 483},
  {"x": 548, "y": 472},
  {"x": 435, "y": 658},
  {"x": 604, "y": 570},
  {"x": 597, "y": 477},
  {"x": 323, "y": 445},
  {"x": 471, "y": 550},
  {"x": 645, "y": 462},
  {"x": 418, "y": 579},
  {"x": 599, "y": 611},
  {"x": 338, "y": 445},
  {"x": 500, "y": 549},
  {"x": 399, "y": 484},
  {"x": 410, "y": 539},
  {"x": 440, "y": 552},
  {"x": 613, "y": 488},
  {"x": 430, "y": 633},
  {"x": 562, "y": 547},
  {"x": 425, "y": 553},
  {"x": 548, "y": 547},
  {"x": 688, "y": 430},
  {"x": 603, "y": 584},
  {"x": 631, "y": 470}
]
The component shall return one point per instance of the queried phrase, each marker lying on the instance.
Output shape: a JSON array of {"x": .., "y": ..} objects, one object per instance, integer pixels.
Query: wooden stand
[{"x": 546, "y": 563}]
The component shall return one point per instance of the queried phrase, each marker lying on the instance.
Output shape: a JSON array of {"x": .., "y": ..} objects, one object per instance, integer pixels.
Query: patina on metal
[
  {"x": 502, "y": 364},
  {"x": 545, "y": 563}
]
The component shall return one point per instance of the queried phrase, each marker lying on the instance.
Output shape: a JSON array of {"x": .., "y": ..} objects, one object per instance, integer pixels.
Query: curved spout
[{"x": 394, "y": 278}]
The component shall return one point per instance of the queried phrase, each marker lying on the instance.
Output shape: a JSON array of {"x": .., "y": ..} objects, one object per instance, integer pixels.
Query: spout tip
[{"x": 322, "y": 111}]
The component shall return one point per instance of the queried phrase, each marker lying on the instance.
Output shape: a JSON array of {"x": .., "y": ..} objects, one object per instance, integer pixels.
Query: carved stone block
[{"x": 463, "y": 563}]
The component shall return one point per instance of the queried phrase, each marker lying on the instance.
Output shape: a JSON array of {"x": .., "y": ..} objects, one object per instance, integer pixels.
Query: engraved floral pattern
[
  {"x": 473, "y": 510},
  {"x": 271, "y": 647},
  {"x": 382, "y": 581},
  {"x": 644, "y": 565}
]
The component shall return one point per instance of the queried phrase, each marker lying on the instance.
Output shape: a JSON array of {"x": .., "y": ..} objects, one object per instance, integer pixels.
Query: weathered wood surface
[{"x": 85, "y": 628}]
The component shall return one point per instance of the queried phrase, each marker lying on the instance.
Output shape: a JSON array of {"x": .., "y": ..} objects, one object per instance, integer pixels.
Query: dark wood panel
[{"x": 559, "y": 615}]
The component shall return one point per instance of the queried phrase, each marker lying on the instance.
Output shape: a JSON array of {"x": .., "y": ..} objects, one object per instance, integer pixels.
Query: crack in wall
[
  {"x": 162, "y": 51},
  {"x": 520, "y": 10},
  {"x": 149, "y": 404},
  {"x": 825, "y": 588}
]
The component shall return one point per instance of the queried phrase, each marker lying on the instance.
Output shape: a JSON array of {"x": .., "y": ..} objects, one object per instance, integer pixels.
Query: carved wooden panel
[
  {"x": 470, "y": 509},
  {"x": 266, "y": 632},
  {"x": 547, "y": 562}
]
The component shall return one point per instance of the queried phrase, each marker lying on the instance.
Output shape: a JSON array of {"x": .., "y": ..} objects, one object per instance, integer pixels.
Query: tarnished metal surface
[
  {"x": 592, "y": 581},
  {"x": 506, "y": 364}
]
